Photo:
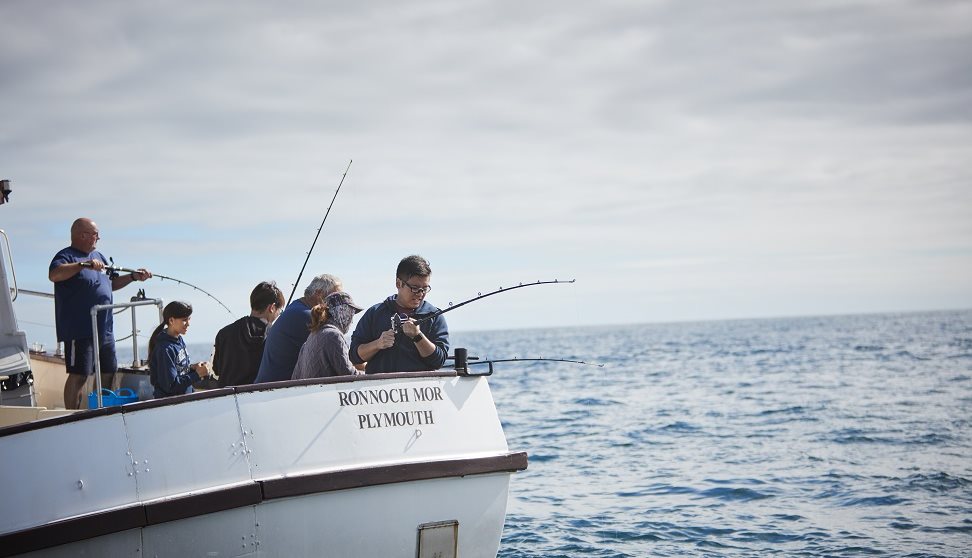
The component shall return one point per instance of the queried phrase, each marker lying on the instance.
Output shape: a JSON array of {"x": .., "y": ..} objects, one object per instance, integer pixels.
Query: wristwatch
[{"x": 417, "y": 338}]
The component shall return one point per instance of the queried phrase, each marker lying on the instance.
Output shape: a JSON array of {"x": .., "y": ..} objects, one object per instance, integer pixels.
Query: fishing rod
[
  {"x": 328, "y": 212},
  {"x": 419, "y": 318},
  {"x": 539, "y": 359},
  {"x": 463, "y": 361},
  {"x": 116, "y": 269}
]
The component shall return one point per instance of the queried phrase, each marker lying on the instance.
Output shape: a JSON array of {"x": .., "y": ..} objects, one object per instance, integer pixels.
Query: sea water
[
  {"x": 826, "y": 436},
  {"x": 833, "y": 436}
]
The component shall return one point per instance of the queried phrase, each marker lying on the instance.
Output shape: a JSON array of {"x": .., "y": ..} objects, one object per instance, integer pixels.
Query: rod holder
[{"x": 461, "y": 357}]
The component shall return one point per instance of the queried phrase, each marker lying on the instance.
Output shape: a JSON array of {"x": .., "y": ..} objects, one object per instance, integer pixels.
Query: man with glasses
[
  {"x": 79, "y": 284},
  {"x": 386, "y": 347}
]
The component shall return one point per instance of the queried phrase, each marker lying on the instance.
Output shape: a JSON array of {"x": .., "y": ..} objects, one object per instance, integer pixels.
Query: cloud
[{"x": 643, "y": 147}]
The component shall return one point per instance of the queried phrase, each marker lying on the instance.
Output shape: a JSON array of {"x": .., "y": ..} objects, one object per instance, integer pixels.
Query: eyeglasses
[
  {"x": 94, "y": 234},
  {"x": 417, "y": 290}
]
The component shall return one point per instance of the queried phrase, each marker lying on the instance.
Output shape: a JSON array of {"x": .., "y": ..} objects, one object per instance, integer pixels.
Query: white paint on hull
[{"x": 148, "y": 455}]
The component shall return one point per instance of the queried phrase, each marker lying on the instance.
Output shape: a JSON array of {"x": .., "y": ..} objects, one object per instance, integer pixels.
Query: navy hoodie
[
  {"x": 239, "y": 349},
  {"x": 169, "y": 364},
  {"x": 403, "y": 356}
]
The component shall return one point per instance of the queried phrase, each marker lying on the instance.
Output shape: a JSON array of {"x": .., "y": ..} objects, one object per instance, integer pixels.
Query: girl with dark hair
[
  {"x": 172, "y": 374},
  {"x": 325, "y": 353}
]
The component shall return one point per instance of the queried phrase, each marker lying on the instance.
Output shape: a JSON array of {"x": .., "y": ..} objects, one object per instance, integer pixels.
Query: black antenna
[{"x": 299, "y": 275}]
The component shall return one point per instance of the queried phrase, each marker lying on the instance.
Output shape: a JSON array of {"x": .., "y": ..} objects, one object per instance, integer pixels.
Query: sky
[{"x": 680, "y": 160}]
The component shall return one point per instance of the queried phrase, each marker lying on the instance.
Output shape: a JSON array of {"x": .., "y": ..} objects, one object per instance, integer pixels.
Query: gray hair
[{"x": 327, "y": 283}]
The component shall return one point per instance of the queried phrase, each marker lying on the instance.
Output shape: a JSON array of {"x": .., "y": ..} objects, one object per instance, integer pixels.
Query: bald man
[{"x": 80, "y": 284}]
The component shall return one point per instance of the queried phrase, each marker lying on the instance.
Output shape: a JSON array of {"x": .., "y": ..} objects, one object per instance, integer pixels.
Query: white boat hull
[
  {"x": 339, "y": 467},
  {"x": 359, "y": 522}
]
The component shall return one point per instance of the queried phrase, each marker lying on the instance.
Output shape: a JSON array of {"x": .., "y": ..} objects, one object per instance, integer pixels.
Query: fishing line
[
  {"x": 463, "y": 361},
  {"x": 299, "y": 275},
  {"x": 419, "y": 318},
  {"x": 539, "y": 359},
  {"x": 115, "y": 269}
]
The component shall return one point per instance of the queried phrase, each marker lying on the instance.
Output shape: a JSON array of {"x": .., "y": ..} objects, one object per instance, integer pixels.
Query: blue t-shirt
[
  {"x": 284, "y": 339},
  {"x": 169, "y": 365},
  {"x": 74, "y": 297},
  {"x": 403, "y": 356}
]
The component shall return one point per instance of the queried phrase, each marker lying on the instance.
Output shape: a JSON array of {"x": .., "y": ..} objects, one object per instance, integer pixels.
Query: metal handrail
[
  {"x": 13, "y": 272},
  {"x": 95, "y": 339},
  {"x": 35, "y": 293}
]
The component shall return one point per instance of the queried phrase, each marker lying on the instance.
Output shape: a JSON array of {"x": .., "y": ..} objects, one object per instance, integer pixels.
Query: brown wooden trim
[
  {"x": 63, "y": 419},
  {"x": 201, "y": 504},
  {"x": 55, "y": 359},
  {"x": 176, "y": 399},
  {"x": 345, "y": 379},
  {"x": 47, "y": 357},
  {"x": 72, "y": 530},
  {"x": 376, "y": 476},
  {"x": 152, "y": 513}
]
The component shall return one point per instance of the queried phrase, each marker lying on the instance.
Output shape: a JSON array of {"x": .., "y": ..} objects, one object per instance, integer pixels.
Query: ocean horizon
[{"x": 201, "y": 350}]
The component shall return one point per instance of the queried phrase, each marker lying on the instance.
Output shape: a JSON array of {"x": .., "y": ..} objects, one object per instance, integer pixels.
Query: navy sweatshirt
[{"x": 403, "y": 356}]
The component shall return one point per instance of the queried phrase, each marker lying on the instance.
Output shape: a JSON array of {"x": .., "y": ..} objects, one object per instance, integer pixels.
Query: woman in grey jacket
[{"x": 325, "y": 353}]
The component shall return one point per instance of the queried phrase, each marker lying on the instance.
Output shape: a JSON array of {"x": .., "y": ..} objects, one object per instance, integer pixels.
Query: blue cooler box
[{"x": 110, "y": 398}]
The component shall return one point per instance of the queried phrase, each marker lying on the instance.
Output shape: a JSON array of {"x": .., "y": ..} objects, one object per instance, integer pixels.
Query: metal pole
[
  {"x": 96, "y": 343},
  {"x": 134, "y": 342},
  {"x": 94, "y": 330}
]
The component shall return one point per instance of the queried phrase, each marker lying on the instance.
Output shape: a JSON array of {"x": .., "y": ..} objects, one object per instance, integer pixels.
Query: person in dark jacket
[
  {"x": 413, "y": 347},
  {"x": 239, "y": 346},
  {"x": 172, "y": 373},
  {"x": 290, "y": 331}
]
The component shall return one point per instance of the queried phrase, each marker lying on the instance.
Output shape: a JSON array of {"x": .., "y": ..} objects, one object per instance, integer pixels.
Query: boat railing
[
  {"x": 15, "y": 290},
  {"x": 94, "y": 329},
  {"x": 40, "y": 294}
]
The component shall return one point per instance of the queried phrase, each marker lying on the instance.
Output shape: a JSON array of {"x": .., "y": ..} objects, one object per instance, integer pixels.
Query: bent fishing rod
[
  {"x": 419, "y": 318},
  {"x": 538, "y": 359},
  {"x": 328, "y": 212},
  {"x": 463, "y": 361},
  {"x": 117, "y": 269}
]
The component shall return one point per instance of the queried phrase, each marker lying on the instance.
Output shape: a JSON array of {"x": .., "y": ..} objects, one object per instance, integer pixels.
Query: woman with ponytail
[
  {"x": 325, "y": 353},
  {"x": 172, "y": 374}
]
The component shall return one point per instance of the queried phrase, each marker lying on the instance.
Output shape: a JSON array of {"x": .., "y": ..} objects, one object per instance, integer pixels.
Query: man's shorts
[{"x": 79, "y": 357}]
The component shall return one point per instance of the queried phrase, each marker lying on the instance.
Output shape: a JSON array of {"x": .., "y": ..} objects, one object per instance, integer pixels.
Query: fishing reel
[
  {"x": 110, "y": 269},
  {"x": 5, "y": 191},
  {"x": 396, "y": 322}
]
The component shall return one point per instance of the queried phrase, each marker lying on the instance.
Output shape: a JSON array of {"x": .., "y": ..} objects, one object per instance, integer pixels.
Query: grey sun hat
[{"x": 334, "y": 300}]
